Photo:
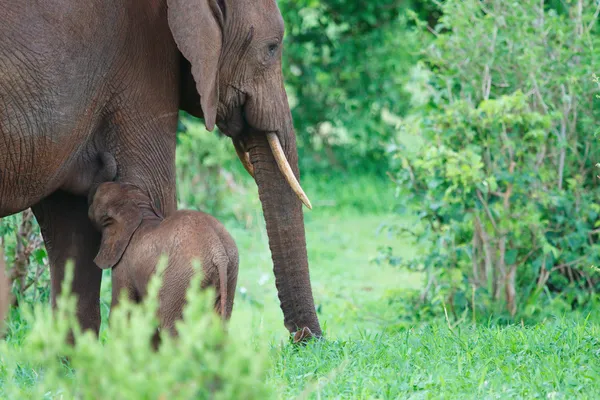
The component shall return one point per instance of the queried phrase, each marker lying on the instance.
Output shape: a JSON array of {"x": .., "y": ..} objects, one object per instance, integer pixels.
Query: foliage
[
  {"x": 203, "y": 362},
  {"x": 209, "y": 174},
  {"x": 345, "y": 63},
  {"x": 503, "y": 180},
  {"x": 22, "y": 243}
]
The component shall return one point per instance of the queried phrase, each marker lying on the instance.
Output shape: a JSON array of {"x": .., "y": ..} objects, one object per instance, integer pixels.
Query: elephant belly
[
  {"x": 45, "y": 127},
  {"x": 52, "y": 66},
  {"x": 32, "y": 167}
]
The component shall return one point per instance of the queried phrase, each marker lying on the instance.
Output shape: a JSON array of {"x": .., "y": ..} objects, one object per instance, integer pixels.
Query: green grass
[
  {"x": 367, "y": 354},
  {"x": 348, "y": 287},
  {"x": 371, "y": 351},
  {"x": 559, "y": 359}
]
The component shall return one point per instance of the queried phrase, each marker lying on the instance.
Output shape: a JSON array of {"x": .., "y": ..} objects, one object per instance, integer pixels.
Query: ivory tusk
[
  {"x": 286, "y": 169},
  {"x": 244, "y": 158}
]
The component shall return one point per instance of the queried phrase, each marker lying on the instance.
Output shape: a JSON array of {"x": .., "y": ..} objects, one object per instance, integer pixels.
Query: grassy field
[
  {"x": 557, "y": 360},
  {"x": 368, "y": 355},
  {"x": 348, "y": 287},
  {"x": 370, "y": 351}
]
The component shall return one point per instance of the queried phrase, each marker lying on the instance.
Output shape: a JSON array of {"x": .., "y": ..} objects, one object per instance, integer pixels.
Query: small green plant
[{"x": 203, "y": 362}]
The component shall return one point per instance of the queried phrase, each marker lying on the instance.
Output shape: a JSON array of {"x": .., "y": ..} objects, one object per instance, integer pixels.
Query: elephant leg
[{"x": 69, "y": 235}]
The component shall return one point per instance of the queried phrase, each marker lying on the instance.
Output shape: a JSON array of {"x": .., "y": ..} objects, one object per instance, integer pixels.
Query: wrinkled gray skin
[
  {"x": 79, "y": 78},
  {"x": 135, "y": 235}
]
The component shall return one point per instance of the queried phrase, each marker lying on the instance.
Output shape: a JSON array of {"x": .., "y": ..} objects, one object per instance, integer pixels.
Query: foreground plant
[{"x": 203, "y": 362}]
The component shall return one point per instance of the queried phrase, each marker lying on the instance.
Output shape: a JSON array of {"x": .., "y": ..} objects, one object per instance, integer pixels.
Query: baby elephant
[{"x": 135, "y": 235}]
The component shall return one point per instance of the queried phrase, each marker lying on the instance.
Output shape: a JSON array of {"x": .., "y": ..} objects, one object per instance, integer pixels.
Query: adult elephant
[{"x": 82, "y": 78}]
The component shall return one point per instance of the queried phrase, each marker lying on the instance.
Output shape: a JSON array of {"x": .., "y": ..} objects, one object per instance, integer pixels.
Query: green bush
[
  {"x": 21, "y": 240},
  {"x": 344, "y": 64},
  {"x": 502, "y": 177},
  {"x": 210, "y": 176},
  {"x": 203, "y": 362}
]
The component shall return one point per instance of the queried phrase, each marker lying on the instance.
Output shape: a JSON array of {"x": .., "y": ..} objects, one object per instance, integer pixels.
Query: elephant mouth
[
  {"x": 280, "y": 158},
  {"x": 234, "y": 123},
  {"x": 238, "y": 127}
]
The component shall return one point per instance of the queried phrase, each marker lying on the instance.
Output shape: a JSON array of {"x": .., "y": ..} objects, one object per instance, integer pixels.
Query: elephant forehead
[
  {"x": 263, "y": 15},
  {"x": 111, "y": 192},
  {"x": 124, "y": 189}
]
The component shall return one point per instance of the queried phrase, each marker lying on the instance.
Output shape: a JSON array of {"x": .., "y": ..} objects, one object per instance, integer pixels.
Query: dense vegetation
[
  {"x": 449, "y": 149},
  {"x": 504, "y": 179}
]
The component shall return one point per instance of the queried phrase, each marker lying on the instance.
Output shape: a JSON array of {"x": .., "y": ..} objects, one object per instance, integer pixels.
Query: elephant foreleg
[{"x": 69, "y": 235}]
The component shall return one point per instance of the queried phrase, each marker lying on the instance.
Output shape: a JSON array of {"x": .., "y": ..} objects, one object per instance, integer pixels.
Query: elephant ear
[
  {"x": 196, "y": 28},
  {"x": 124, "y": 219}
]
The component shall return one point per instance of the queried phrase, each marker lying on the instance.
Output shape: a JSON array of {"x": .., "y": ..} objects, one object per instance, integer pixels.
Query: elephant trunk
[{"x": 285, "y": 228}]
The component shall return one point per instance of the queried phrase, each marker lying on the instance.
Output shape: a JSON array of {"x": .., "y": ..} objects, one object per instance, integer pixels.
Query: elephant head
[
  {"x": 232, "y": 58},
  {"x": 116, "y": 209}
]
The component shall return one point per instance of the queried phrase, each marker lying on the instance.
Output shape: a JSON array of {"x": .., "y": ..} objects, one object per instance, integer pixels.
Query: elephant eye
[
  {"x": 272, "y": 49},
  {"x": 105, "y": 221}
]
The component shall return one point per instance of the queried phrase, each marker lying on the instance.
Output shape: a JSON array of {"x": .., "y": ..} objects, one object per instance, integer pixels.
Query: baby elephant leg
[
  {"x": 121, "y": 286},
  {"x": 220, "y": 272},
  {"x": 176, "y": 281}
]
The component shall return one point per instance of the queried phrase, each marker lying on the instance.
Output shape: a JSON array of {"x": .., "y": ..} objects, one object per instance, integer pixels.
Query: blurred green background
[{"x": 449, "y": 150}]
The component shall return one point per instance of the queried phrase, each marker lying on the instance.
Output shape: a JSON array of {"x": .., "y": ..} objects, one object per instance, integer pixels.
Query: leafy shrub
[
  {"x": 21, "y": 240},
  {"x": 502, "y": 178},
  {"x": 204, "y": 362},
  {"x": 210, "y": 176},
  {"x": 4, "y": 290},
  {"x": 345, "y": 63}
]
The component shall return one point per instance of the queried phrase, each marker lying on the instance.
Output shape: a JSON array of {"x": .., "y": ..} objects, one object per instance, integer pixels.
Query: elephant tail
[
  {"x": 223, "y": 290},
  {"x": 4, "y": 290},
  {"x": 222, "y": 265}
]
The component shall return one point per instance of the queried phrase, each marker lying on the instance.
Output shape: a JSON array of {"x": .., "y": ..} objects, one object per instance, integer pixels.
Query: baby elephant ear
[{"x": 124, "y": 219}]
